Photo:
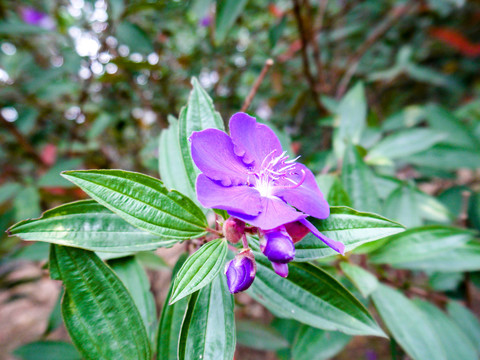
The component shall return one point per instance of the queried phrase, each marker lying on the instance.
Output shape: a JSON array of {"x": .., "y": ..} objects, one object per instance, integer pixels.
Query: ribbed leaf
[
  {"x": 402, "y": 206},
  {"x": 198, "y": 115},
  {"x": 317, "y": 344},
  {"x": 365, "y": 282},
  {"x": 351, "y": 227},
  {"x": 358, "y": 180},
  {"x": 208, "y": 329},
  {"x": 227, "y": 13},
  {"x": 408, "y": 325},
  {"x": 142, "y": 201},
  {"x": 420, "y": 243},
  {"x": 136, "y": 281},
  {"x": 200, "y": 269},
  {"x": 51, "y": 350},
  {"x": 313, "y": 297},
  {"x": 88, "y": 225},
  {"x": 98, "y": 310},
  {"x": 171, "y": 321},
  {"x": 456, "y": 344},
  {"x": 467, "y": 321},
  {"x": 258, "y": 336}
]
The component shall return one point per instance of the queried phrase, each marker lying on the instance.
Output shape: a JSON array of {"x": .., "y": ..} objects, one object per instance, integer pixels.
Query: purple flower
[
  {"x": 249, "y": 175},
  {"x": 34, "y": 17},
  {"x": 205, "y": 21},
  {"x": 241, "y": 271}
]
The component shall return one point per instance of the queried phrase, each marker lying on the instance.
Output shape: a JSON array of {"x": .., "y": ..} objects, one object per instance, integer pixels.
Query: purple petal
[
  {"x": 280, "y": 269},
  {"x": 212, "y": 152},
  {"x": 253, "y": 141},
  {"x": 274, "y": 214},
  {"x": 278, "y": 246},
  {"x": 242, "y": 198},
  {"x": 335, "y": 245},
  {"x": 241, "y": 271},
  {"x": 32, "y": 16},
  {"x": 307, "y": 197}
]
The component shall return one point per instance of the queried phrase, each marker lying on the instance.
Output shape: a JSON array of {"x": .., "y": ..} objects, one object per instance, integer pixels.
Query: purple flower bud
[
  {"x": 280, "y": 269},
  {"x": 34, "y": 17},
  {"x": 241, "y": 271},
  {"x": 205, "y": 21},
  {"x": 297, "y": 231},
  {"x": 278, "y": 246},
  {"x": 233, "y": 229}
]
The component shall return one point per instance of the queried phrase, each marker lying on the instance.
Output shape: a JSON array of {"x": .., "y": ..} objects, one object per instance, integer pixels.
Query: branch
[
  {"x": 306, "y": 63},
  {"x": 256, "y": 85},
  {"x": 392, "y": 18}
]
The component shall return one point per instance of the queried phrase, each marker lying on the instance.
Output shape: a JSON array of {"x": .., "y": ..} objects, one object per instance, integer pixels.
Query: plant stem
[{"x": 268, "y": 64}]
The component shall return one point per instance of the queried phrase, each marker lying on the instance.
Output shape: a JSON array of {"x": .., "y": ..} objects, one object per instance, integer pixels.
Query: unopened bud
[
  {"x": 296, "y": 230},
  {"x": 278, "y": 246},
  {"x": 241, "y": 271},
  {"x": 233, "y": 229}
]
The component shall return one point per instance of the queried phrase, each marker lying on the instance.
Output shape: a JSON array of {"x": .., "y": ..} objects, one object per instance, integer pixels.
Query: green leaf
[
  {"x": 52, "y": 177},
  {"x": 99, "y": 313},
  {"x": 432, "y": 209},
  {"x": 27, "y": 203},
  {"x": 456, "y": 344},
  {"x": 227, "y": 13},
  {"x": 463, "y": 258},
  {"x": 408, "y": 325},
  {"x": 404, "y": 143},
  {"x": 87, "y": 225},
  {"x": 171, "y": 321},
  {"x": 358, "y": 180},
  {"x": 402, "y": 206},
  {"x": 337, "y": 196},
  {"x": 260, "y": 337},
  {"x": 353, "y": 228},
  {"x": 136, "y": 281},
  {"x": 313, "y": 297},
  {"x": 420, "y": 243},
  {"x": 8, "y": 191},
  {"x": 208, "y": 328},
  {"x": 446, "y": 157},
  {"x": 466, "y": 320},
  {"x": 51, "y": 350},
  {"x": 134, "y": 37},
  {"x": 55, "y": 318},
  {"x": 351, "y": 119},
  {"x": 143, "y": 201},
  {"x": 171, "y": 166},
  {"x": 318, "y": 344},
  {"x": 365, "y": 281},
  {"x": 152, "y": 261},
  {"x": 198, "y": 115},
  {"x": 200, "y": 269}
]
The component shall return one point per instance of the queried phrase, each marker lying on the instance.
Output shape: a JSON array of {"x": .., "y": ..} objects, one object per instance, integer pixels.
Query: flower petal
[
  {"x": 275, "y": 213},
  {"x": 335, "y": 245},
  {"x": 253, "y": 141},
  {"x": 212, "y": 152},
  {"x": 307, "y": 197},
  {"x": 242, "y": 198},
  {"x": 280, "y": 269}
]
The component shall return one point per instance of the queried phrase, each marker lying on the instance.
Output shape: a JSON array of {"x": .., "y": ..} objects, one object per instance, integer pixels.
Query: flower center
[{"x": 273, "y": 169}]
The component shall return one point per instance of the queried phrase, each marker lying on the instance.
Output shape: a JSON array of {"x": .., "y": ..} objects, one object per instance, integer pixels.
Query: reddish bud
[
  {"x": 233, "y": 229},
  {"x": 297, "y": 231}
]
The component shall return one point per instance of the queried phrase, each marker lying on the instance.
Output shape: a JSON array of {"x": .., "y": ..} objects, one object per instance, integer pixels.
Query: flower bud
[
  {"x": 296, "y": 230},
  {"x": 241, "y": 271},
  {"x": 278, "y": 246},
  {"x": 233, "y": 229},
  {"x": 280, "y": 269}
]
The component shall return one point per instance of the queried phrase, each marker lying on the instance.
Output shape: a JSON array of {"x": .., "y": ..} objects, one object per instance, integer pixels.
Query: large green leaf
[
  {"x": 420, "y": 243},
  {"x": 466, "y": 320},
  {"x": 136, "y": 281},
  {"x": 353, "y": 228},
  {"x": 312, "y": 343},
  {"x": 208, "y": 328},
  {"x": 258, "y": 336},
  {"x": 88, "y": 225},
  {"x": 51, "y": 350},
  {"x": 143, "y": 201},
  {"x": 358, "y": 180},
  {"x": 171, "y": 321},
  {"x": 198, "y": 115},
  {"x": 401, "y": 206},
  {"x": 351, "y": 118},
  {"x": 98, "y": 311},
  {"x": 408, "y": 324},
  {"x": 171, "y": 165},
  {"x": 200, "y": 269},
  {"x": 365, "y": 281},
  {"x": 446, "y": 157},
  {"x": 313, "y": 297},
  {"x": 404, "y": 143},
  {"x": 456, "y": 344},
  {"x": 227, "y": 13}
]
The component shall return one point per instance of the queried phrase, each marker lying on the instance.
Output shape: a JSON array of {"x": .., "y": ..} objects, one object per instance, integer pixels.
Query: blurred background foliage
[{"x": 91, "y": 84}]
